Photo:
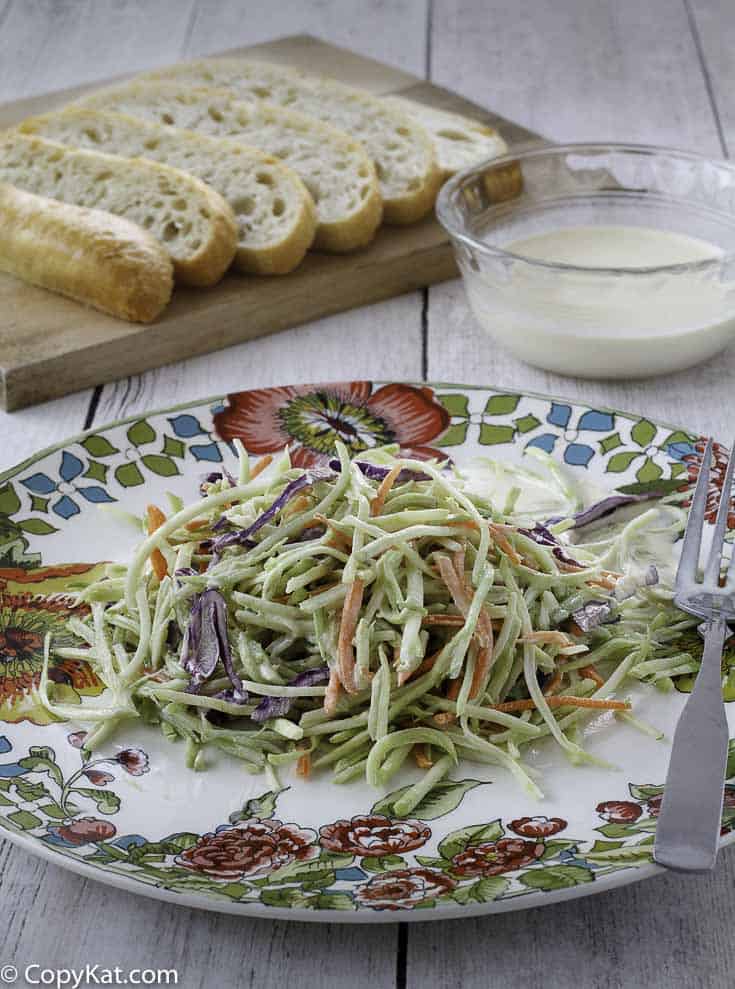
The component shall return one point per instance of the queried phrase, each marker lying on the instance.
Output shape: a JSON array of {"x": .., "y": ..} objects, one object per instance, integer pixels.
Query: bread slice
[
  {"x": 401, "y": 149},
  {"x": 102, "y": 260},
  {"x": 459, "y": 141},
  {"x": 275, "y": 214},
  {"x": 192, "y": 221},
  {"x": 335, "y": 169}
]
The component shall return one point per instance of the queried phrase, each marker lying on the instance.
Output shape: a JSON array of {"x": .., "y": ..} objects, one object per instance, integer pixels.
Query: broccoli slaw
[{"x": 367, "y": 612}]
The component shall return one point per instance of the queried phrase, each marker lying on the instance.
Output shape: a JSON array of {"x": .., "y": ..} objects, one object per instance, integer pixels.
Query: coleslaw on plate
[{"x": 356, "y": 615}]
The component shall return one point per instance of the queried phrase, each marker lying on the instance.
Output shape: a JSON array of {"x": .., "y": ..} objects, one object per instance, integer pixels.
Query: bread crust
[
  {"x": 74, "y": 126},
  {"x": 202, "y": 268},
  {"x": 338, "y": 236},
  {"x": 93, "y": 257},
  {"x": 397, "y": 209}
]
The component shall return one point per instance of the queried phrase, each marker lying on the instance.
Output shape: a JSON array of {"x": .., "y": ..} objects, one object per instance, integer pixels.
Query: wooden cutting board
[{"x": 50, "y": 346}]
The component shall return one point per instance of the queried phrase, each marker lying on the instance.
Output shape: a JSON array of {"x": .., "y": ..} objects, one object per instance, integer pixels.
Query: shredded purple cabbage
[
  {"x": 376, "y": 473},
  {"x": 311, "y": 678},
  {"x": 206, "y": 643},
  {"x": 185, "y": 572},
  {"x": 215, "y": 476},
  {"x": 277, "y": 707},
  {"x": 544, "y": 537},
  {"x": 605, "y": 507},
  {"x": 241, "y": 537},
  {"x": 271, "y": 707}
]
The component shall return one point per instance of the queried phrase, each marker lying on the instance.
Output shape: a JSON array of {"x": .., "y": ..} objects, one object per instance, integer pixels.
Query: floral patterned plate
[{"x": 135, "y": 817}]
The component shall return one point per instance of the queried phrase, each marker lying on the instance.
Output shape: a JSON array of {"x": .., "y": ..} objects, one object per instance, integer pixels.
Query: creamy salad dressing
[
  {"x": 614, "y": 247},
  {"x": 600, "y": 324}
]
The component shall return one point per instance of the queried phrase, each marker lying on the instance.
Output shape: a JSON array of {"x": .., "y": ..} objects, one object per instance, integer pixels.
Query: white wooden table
[{"x": 658, "y": 71}]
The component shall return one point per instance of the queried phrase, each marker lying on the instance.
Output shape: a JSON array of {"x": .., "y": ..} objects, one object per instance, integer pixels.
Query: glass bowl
[{"x": 600, "y": 322}]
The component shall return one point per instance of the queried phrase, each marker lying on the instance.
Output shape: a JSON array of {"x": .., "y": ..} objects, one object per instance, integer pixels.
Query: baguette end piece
[{"x": 93, "y": 257}]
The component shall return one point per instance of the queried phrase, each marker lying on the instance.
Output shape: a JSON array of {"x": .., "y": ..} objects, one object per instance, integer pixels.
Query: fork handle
[{"x": 688, "y": 831}]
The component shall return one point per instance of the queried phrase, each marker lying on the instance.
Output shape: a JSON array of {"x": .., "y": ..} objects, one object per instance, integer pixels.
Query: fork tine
[
  {"x": 712, "y": 573},
  {"x": 693, "y": 536}
]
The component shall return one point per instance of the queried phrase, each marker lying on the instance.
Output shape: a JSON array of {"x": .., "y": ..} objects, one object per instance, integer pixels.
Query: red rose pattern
[
  {"x": 403, "y": 889},
  {"x": 492, "y": 858},
  {"x": 373, "y": 835},
  {"x": 693, "y": 463},
  {"x": 619, "y": 811},
  {"x": 133, "y": 761},
  {"x": 250, "y": 849},
  {"x": 86, "y": 830},
  {"x": 538, "y": 827}
]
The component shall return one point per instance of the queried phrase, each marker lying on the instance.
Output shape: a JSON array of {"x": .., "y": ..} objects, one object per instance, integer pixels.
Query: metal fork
[{"x": 688, "y": 828}]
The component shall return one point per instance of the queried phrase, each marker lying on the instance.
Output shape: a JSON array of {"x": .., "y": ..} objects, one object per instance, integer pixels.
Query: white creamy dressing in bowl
[
  {"x": 613, "y": 247},
  {"x": 615, "y": 313}
]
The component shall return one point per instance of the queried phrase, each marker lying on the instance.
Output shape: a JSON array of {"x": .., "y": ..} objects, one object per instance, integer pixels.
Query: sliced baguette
[
  {"x": 401, "y": 149},
  {"x": 274, "y": 211},
  {"x": 102, "y": 260},
  {"x": 459, "y": 141},
  {"x": 335, "y": 169},
  {"x": 192, "y": 221}
]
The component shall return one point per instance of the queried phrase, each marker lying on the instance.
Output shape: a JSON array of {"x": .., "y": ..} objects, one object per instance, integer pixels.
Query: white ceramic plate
[{"x": 135, "y": 817}]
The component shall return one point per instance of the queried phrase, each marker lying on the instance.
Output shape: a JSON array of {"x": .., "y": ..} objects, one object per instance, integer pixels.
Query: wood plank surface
[
  {"x": 623, "y": 71},
  {"x": 51, "y": 347},
  {"x": 569, "y": 69}
]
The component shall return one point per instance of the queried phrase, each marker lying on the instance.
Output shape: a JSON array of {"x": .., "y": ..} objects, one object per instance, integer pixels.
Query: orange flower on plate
[
  {"x": 25, "y": 619},
  {"x": 310, "y": 418}
]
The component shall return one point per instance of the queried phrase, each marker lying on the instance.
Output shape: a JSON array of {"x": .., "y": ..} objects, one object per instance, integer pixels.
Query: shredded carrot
[
  {"x": 421, "y": 756},
  {"x": 463, "y": 524},
  {"x": 483, "y": 634},
  {"x": 324, "y": 587},
  {"x": 299, "y": 504},
  {"x": 567, "y": 567},
  {"x": 454, "y": 578},
  {"x": 454, "y": 688},
  {"x": 453, "y": 621},
  {"x": 338, "y": 540},
  {"x": 427, "y": 665},
  {"x": 562, "y": 700},
  {"x": 332, "y": 693},
  {"x": 197, "y": 524},
  {"x": 501, "y": 541},
  {"x": 156, "y": 518},
  {"x": 458, "y": 559},
  {"x": 482, "y": 665},
  {"x": 591, "y": 673},
  {"x": 348, "y": 624},
  {"x": 553, "y": 683},
  {"x": 303, "y": 765},
  {"x": 261, "y": 465},
  {"x": 454, "y": 585},
  {"x": 376, "y": 505},
  {"x": 605, "y": 582}
]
